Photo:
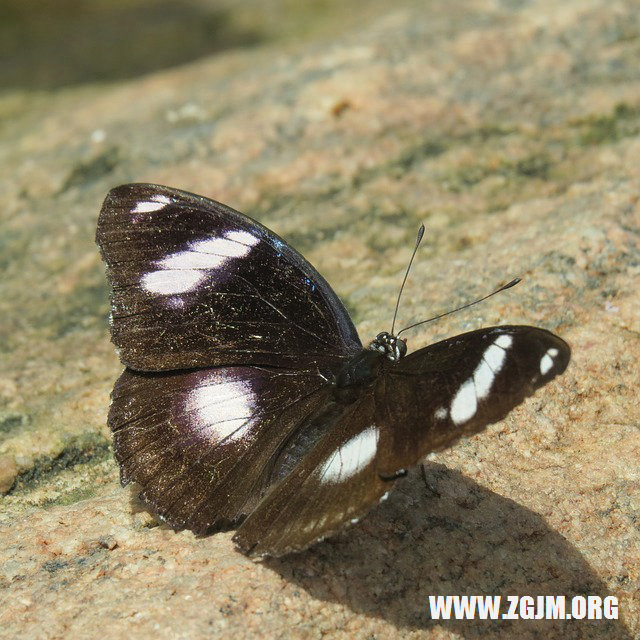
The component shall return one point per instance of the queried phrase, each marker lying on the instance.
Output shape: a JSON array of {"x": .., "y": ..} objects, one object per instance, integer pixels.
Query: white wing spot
[
  {"x": 477, "y": 387},
  {"x": 483, "y": 378},
  {"x": 147, "y": 207},
  {"x": 171, "y": 281},
  {"x": 494, "y": 356},
  {"x": 492, "y": 360},
  {"x": 546, "y": 362},
  {"x": 223, "y": 247},
  {"x": 465, "y": 403},
  {"x": 184, "y": 270},
  {"x": 243, "y": 237},
  {"x": 191, "y": 260},
  {"x": 504, "y": 341},
  {"x": 156, "y": 203},
  {"x": 553, "y": 352},
  {"x": 223, "y": 409},
  {"x": 440, "y": 413},
  {"x": 351, "y": 457}
]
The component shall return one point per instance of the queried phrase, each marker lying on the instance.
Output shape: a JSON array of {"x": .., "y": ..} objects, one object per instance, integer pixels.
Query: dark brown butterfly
[{"x": 248, "y": 399}]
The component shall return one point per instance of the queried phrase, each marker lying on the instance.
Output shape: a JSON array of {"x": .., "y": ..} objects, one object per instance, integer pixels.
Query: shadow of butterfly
[{"x": 248, "y": 399}]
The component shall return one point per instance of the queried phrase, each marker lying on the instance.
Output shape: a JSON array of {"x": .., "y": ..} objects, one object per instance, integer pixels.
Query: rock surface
[{"x": 512, "y": 130}]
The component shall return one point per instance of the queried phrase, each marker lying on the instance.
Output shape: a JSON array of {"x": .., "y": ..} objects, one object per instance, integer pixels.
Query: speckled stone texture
[{"x": 512, "y": 130}]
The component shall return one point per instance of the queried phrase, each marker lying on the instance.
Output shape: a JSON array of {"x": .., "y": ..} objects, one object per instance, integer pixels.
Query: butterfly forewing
[
  {"x": 458, "y": 386},
  {"x": 196, "y": 283}
]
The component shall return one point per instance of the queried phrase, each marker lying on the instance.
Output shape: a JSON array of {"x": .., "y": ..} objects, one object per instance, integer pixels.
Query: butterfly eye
[{"x": 401, "y": 347}]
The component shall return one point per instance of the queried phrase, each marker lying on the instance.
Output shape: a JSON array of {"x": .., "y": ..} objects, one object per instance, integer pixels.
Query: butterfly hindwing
[
  {"x": 201, "y": 443},
  {"x": 458, "y": 386},
  {"x": 337, "y": 482},
  {"x": 195, "y": 283}
]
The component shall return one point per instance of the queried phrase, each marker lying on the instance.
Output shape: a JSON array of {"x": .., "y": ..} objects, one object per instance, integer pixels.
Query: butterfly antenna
[
  {"x": 406, "y": 274},
  {"x": 464, "y": 306}
]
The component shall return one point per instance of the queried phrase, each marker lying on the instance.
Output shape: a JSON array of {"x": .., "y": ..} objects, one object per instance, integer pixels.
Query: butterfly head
[{"x": 391, "y": 346}]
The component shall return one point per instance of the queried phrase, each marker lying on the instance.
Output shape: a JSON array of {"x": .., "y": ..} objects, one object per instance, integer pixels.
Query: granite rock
[{"x": 512, "y": 130}]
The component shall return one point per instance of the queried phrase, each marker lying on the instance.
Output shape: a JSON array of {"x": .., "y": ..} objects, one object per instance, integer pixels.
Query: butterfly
[{"x": 248, "y": 400}]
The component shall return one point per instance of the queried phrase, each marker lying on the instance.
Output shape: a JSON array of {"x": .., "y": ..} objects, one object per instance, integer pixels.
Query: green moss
[
  {"x": 469, "y": 175},
  {"x": 622, "y": 122},
  {"x": 87, "y": 448},
  {"x": 92, "y": 169},
  {"x": 421, "y": 152},
  {"x": 47, "y": 45},
  {"x": 599, "y": 129},
  {"x": 488, "y": 131},
  {"x": 85, "y": 306},
  {"x": 70, "y": 497},
  {"x": 403, "y": 163},
  {"x": 13, "y": 246},
  {"x": 11, "y": 421},
  {"x": 536, "y": 165}
]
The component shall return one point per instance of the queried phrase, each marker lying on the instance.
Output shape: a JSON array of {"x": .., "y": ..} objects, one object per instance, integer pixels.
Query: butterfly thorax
[{"x": 360, "y": 371}]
